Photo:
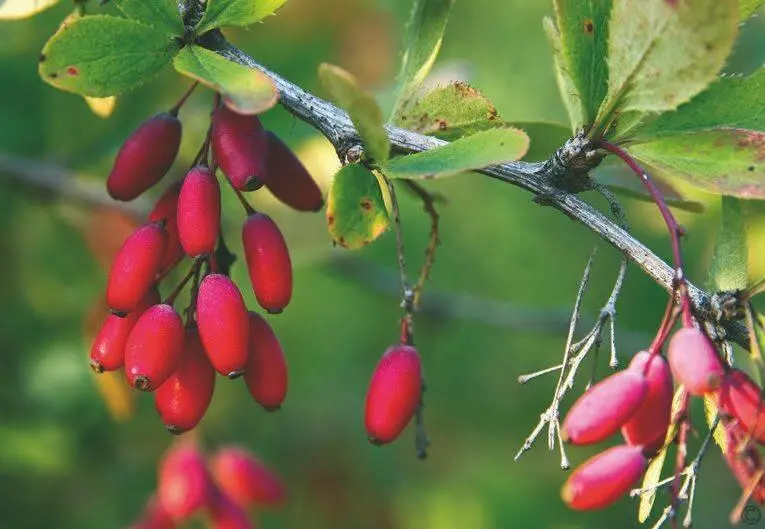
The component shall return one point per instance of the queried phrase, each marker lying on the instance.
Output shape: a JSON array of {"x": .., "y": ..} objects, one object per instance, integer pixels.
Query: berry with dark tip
[
  {"x": 154, "y": 347},
  {"x": 240, "y": 147}
]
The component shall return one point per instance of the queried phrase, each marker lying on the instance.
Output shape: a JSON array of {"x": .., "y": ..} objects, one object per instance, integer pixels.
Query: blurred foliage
[{"x": 65, "y": 462}]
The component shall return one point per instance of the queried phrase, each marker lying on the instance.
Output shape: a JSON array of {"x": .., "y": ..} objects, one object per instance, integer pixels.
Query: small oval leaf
[{"x": 219, "y": 13}]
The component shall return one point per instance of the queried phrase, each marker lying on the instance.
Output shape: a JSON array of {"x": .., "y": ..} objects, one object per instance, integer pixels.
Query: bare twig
[{"x": 428, "y": 204}]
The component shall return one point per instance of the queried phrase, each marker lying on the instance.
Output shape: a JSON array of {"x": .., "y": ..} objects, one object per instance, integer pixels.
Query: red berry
[
  {"x": 288, "y": 179},
  {"x": 604, "y": 478},
  {"x": 184, "y": 485},
  {"x": 741, "y": 397},
  {"x": 154, "y": 517},
  {"x": 240, "y": 148},
  {"x": 394, "y": 393},
  {"x": 184, "y": 397},
  {"x": 266, "y": 371},
  {"x": 135, "y": 267},
  {"x": 154, "y": 347},
  {"x": 694, "y": 361},
  {"x": 648, "y": 425},
  {"x": 145, "y": 156},
  {"x": 108, "y": 351},
  {"x": 226, "y": 514},
  {"x": 199, "y": 212},
  {"x": 743, "y": 459},
  {"x": 245, "y": 479},
  {"x": 223, "y": 324},
  {"x": 605, "y": 407},
  {"x": 268, "y": 262},
  {"x": 166, "y": 211}
]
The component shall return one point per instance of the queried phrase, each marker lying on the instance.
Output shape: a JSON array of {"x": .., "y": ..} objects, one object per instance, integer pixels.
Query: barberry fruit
[
  {"x": 226, "y": 514},
  {"x": 184, "y": 485},
  {"x": 694, "y": 361},
  {"x": 741, "y": 397},
  {"x": 223, "y": 324},
  {"x": 394, "y": 393},
  {"x": 288, "y": 179},
  {"x": 145, "y": 156},
  {"x": 245, "y": 479},
  {"x": 199, "y": 212},
  {"x": 154, "y": 347},
  {"x": 166, "y": 211},
  {"x": 268, "y": 262},
  {"x": 266, "y": 371},
  {"x": 240, "y": 147}
]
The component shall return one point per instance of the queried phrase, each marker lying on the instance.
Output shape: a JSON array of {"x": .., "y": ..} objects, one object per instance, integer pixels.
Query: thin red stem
[{"x": 182, "y": 100}]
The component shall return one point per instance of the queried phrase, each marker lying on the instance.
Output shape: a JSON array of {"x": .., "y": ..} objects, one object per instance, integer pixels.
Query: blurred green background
[{"x": 509, "y": 271}]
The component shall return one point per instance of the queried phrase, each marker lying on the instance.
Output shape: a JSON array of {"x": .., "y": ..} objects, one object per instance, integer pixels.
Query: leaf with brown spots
[{"x": 356, "y": 213}]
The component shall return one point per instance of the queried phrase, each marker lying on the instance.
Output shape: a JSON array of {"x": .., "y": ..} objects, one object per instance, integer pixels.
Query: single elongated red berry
[
  {"x": 224, "y": 325},
  {"x": 154, "y": 517},
  {"x": 199, "y": 212},
  {"x": 266, "y": 371},
  {"x": 604, "y": 478},
  {"x": 605, "y": 407},
  {"x": 245, "y": 479},
  {"x": 184, "y": 397},
  {"x": 741, "y": 397},
  {"x": 694, "y": 361},
  {"x": 145, "y": 156},
  {"x": 226, "y": 514},
  {"x": 108, "y": 351},
  {"x": 184, "y": 485},
  {"x": 240, "y": 147},
  {"x": 154, "y": 347},
  {"x": 288, "y": 179},
  {"x": 394, "y": 393},
  {"x": 648, "y": 425},
  {"x": 268, "y": 262},
  {"x": 134, "y": 268},
  {"x": 166, "y": 211}
]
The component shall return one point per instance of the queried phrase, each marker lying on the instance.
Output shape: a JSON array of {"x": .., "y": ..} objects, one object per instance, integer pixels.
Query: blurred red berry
[
  {"x": 245, "y": 479},
  {"x": 184, "y": 485}
]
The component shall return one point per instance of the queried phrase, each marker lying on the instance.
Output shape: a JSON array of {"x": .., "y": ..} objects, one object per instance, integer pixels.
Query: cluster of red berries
[
  {"x": 223, "y": 487},
  {"x": 160, "y": 352},
  {"x": 638, "y": 400}
]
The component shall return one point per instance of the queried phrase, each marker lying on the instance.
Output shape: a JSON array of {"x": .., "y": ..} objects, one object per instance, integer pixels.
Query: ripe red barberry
[
  {"x": 154, "y": 347},
  {"x": 741, "y": 397},
  {"x": 184, "y": 485},
  {"x": 288, "y": 179},
  {"x": 245, "y": 479},
  {"x": 145, "y": 156},
  {"x": 604, "y": 408},
  {"x": 108, "y": 351},
  {"x": 744, "y": 459},
  {"x": 199, "y": 212},
  {"x": 184, "y": 397},
  {"x": 166, "y": 211},
  {"x": 226, "y": 514},
  {"x": 240, "y": 148},
  {"x": 223, "y": 324},
  {"x": 394, "y": 393},
  {"x": 268, "y": 262},
  {"x": 694, "y": 361},
  {"x": 648, "y": 425},
  {"x": 135, "y": 268},
  {"x": 604, "y": 478},
  {"x": 266, "y": 371}
]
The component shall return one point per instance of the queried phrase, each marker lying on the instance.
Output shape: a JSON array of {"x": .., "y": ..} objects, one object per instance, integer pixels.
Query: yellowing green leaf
[
  {"x": 162, "y": 14},
  {"x": 17, "y": 9},
  {"x": 245, "y": 90},
  {"x": 101, "y": 106},
  {"x": 729, "y": 269},
  {"x": 356, "y": 213},
  {"x": 101, "y": 56},
  {"x": 480, "y": 150},
  {"x": 650, "y": 479},
  {"x": 362, "y": 108},
  {"x": 747, "y": 8},
  {"x": 710, "y": 414},
  {"x": 241, "y": 13}
]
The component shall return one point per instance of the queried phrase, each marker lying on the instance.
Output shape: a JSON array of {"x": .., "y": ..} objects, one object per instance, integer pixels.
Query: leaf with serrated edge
[
  {"x": 245, "y": 90},
  {"x": 101, "y": 56},
  {"x": 361, "y": 106},
  {"x": 220, "y": 13},
  {"x": 423, "y": 38},
  {"x": 356, "y": 213},
  {"x": 710, "y": 414},
  {"x": 572, "y": 99},
  {"x": 18, "y": 9},
  {"x": 747, "y": 8},
  {"x": 480, "y": 150},
  {"x": 101, "y": 106},
  {"x": 729, "y": 261},
  {"x": 661, "y": 53},
  {"x": 723, "y": 161},
  {"x": 162, "y": 14},
  {"x": 583, "y": 30}
]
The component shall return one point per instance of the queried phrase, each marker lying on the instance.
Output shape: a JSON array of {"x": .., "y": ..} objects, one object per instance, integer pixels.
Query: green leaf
[
  {"x": 101, "y": 56},
  {"x": 710, "y": 413},
  {"x": 356, "y": 213},
  {"x": 480, "y": 150},
  {"x": 424, "y": 34},
  {"x": 364, "y": 111},
  {"x": 661, "y": 53},
  {"x": 240, "y": 13},
  {"x": 17, "y": 9},
  {"x": 582, "y": 27},
  {"x": 651, "y": 477},
  {"x": 724, "y": 161},
  {"x": 572, "y": 99},
  {"x": 729, "y": 269},
  {"x": 162, "y": 14},
  {"x": 245, "y": 90},
  {"x": 746, "y": 8},
  {"x": 735, "y": 102}
]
